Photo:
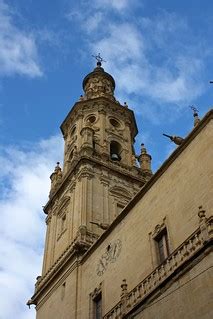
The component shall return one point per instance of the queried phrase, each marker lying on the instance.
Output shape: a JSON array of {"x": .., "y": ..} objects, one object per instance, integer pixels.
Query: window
[
  {"x": 63, "y": 290},
  {"x": 63, "y": 223},
  {"x": 162, "y": 245},
  {"x": 97, "y": 301},
  {"x": 73, "y": 130},
  {"x": 114, "y": 122},
  {"x": 91, "y": 119}
]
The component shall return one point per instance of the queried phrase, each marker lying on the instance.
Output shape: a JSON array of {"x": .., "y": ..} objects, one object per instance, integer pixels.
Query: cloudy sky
[{"x": 158, "y": 51}]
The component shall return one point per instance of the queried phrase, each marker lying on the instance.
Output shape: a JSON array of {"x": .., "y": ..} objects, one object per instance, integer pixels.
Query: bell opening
[{"x": 115, "y": 151}]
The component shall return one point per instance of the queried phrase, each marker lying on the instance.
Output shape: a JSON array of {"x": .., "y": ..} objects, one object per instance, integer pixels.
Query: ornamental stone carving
[{"x": 99, "y": 86}]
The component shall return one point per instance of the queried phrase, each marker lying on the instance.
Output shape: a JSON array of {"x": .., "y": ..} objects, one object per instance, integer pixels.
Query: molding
[
  {"x": 159, "y": 228},
  {"x": 99, "y": 104},
  {"x": 83, "y": 240},
  {"x": 120, "y": 192}
]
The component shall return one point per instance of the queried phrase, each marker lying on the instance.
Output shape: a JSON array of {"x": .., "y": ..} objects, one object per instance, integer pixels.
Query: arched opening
[
  {"x": 115, "y": 151},
  {"x": 73, "y": 130}
]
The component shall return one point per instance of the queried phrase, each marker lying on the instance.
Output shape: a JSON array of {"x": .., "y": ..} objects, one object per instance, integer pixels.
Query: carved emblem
[{"x": 111, "y": 254}]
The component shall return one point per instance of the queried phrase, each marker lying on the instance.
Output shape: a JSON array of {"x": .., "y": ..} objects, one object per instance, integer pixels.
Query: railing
[{"x": 183, "y": 253}]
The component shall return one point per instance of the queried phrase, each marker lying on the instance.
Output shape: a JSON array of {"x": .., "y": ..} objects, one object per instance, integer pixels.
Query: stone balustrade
[{"x": 183, "y": 253}]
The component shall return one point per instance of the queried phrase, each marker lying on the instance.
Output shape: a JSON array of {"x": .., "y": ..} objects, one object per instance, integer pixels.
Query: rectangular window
[
  {"x": 162, "y": 245},
  {"x": 98, "y": 306}
]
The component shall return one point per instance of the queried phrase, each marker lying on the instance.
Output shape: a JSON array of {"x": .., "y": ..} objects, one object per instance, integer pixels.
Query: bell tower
[{"x": 100, "y": 175}]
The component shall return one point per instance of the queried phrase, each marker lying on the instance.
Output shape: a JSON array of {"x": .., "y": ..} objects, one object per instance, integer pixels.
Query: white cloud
[
  {"x": 146, "y": 65},
  {"x": 93, "y": 22},
  {"x": 25, "y": 175},
  {"x": 155, "y": 61},
  {"x": 97, "y": 15},
  {"x": 18, "y": 50},
  {"x": 114, "y": 4}
]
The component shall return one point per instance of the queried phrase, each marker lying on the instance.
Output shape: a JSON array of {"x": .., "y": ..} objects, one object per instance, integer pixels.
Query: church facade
[{"x": 122, "y": 242}]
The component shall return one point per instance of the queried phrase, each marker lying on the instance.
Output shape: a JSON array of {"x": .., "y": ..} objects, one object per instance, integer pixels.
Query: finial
[
  {"x": 99, "y": 59},
  {"x": 57, "y": 165},
  {"x": 195, "y": 114},
  {"x": 145, "y": 160},
  {"x": 201, "y": 213},
  {"x": 143, "y": 149},
  {"x": 57, "y": 168},
  {"x": 123, "y": 287},
  {"x": 125, "y": 104}
]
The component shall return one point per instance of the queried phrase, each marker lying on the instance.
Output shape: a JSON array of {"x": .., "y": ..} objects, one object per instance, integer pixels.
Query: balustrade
[{"x": 184, "y": 252}]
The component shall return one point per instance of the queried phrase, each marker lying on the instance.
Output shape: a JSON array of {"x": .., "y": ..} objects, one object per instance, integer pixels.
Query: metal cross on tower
[{"x": 193, "y": 108}]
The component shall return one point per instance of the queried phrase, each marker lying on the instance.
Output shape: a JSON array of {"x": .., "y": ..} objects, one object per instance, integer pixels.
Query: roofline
[{"x": 189, "y": 138}]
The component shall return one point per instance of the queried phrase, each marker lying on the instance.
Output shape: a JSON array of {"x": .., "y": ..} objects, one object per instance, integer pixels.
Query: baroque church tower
[
  {"x": 101, "y": 174},
  {"x": 122, "y": 243}
]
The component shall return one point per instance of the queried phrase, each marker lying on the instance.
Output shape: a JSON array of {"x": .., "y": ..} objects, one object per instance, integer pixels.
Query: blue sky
[{"x": 160, "y": 55}]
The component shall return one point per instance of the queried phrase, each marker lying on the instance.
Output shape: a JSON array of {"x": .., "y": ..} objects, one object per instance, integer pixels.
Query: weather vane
[
  {"x": 98, "y": 58},
  {"x": 193, "y": 108}
]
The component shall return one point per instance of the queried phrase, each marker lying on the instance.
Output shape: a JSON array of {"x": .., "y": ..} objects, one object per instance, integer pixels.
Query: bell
[{"x": 115, "y": 157}]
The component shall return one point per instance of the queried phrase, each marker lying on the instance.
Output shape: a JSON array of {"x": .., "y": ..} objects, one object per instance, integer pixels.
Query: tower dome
[{"x": 99, "y": 83}]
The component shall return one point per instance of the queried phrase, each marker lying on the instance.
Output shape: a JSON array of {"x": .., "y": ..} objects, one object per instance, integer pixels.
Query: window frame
[
  {"x": 96, "y": 301},
  {"x": 162, "y": 245},
  {"x": 161, "y": 231},
  {"x": 97, "y": 306}
]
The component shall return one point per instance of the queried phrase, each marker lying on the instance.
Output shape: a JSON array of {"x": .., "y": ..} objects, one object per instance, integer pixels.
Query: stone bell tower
[{"x": 100, "y": 175}]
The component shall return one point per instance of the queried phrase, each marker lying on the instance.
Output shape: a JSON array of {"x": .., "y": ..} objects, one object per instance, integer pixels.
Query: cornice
[
  {"x": 101, "y": 104},
  {"x": 111, "y": 166}
]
